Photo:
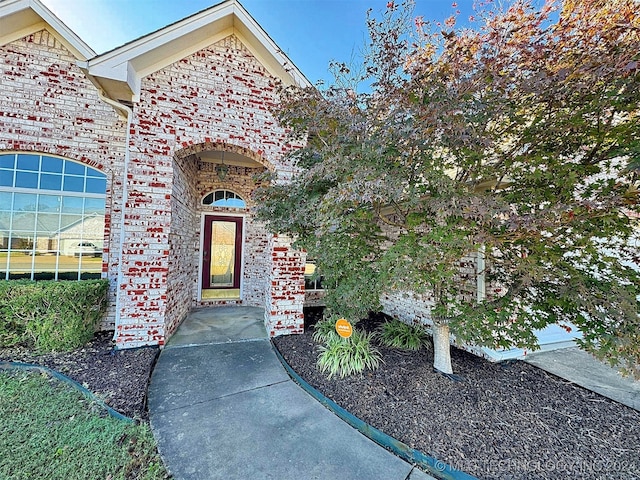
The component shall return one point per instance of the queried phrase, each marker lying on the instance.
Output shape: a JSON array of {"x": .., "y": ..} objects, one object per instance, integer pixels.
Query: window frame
[
  {"x": 227, "y": 195},
  {"x": 44, "y": 244},
  {"x": 315, "y": 278}
]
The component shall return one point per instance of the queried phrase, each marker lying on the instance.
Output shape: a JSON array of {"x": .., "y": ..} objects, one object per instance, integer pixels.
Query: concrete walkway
[
  {"x": 583, "y": 369},
  {"x": 222, "y": 406}
]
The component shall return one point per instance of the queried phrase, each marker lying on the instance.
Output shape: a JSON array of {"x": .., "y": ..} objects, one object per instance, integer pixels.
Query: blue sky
[{"x": 311, "y": 32}]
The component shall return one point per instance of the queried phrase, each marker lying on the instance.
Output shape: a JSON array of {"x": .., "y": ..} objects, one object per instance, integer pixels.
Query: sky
[{"x": 311, "y": 32}]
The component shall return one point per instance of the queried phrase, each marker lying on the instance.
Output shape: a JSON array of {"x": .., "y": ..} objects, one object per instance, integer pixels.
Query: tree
[{"x": 517, "y": 140}]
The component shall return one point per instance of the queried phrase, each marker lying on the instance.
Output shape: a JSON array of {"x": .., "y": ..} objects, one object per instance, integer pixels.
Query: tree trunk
[{"x": 441, "y": 348}]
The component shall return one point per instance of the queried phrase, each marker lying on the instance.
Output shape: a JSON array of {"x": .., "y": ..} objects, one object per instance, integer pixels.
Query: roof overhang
[
  {"x": 120, "y": 71},
  {"x": 19, "y": 18}
]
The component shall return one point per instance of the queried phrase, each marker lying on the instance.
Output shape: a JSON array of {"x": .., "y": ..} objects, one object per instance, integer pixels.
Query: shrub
[
  {"x": 49, "y": 315},
  {"x": 397, "y": 334},
  {"x": 346, "y": 356},
  {"x": 325, "y": 330}
]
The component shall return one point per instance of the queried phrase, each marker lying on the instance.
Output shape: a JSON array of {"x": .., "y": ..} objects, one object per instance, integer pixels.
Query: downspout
[
  {"x": 481, "y": 285},
  {"x": 125, "y": 111}
]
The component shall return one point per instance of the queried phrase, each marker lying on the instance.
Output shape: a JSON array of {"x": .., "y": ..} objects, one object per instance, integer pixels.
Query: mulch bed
[
  {"x": 118, "y": 377},
  {"x": 502, "y": 421}
]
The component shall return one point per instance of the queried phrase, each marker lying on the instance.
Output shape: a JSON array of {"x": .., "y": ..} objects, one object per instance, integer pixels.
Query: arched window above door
[{"x": 224, "y": 198}]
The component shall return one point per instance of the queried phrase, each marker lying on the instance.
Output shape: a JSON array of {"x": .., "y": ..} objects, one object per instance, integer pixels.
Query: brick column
[
  {"x": 144, "y": 257},
  {"x": 285, "y": 291}
]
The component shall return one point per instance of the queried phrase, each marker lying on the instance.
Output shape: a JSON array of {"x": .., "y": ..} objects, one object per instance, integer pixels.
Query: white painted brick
[{"x": 220, "y": 94}]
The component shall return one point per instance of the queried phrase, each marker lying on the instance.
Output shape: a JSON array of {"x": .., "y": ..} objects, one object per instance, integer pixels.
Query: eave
[
  {"x": 119, "y": 72},
  {"x": 20, "y": 18}
]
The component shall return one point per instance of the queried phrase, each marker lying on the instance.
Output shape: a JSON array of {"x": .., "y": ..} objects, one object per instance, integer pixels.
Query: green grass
[{"x": 49, "y": 430}]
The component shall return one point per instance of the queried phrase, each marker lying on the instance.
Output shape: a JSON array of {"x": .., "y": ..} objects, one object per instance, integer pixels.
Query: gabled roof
[
  {"x": 19, "y": 18},
  {"x": 120, "y": 71}
]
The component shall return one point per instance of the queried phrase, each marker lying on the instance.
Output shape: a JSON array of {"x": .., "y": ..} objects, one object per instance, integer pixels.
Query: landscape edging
[
  {"x": 63, "y": 378},
  {"x": 431, "y": 465}
]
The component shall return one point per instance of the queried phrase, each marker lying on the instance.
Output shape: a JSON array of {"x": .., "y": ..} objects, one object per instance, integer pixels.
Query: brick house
[
  {"x": 138, "y": 165},
  {"x": 161, "y": 140}
]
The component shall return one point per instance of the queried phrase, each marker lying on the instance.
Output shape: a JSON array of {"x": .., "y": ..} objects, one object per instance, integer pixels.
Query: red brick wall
[
  {"x": 183, "y": 242},
  {"x": 48, "y": 106},
  {"x": 415, "y": 308},
  {"x": 283, "y": 310},
  {"x": 218, "y": 98}
]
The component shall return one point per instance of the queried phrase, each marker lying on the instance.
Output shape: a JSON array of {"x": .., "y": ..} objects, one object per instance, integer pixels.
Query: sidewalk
[
  {"x": 583, "y": 369},
  {"x": 222, "y": 406}
]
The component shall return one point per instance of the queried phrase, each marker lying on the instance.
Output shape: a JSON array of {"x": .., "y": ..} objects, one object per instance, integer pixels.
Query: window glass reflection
[
  {"x": 48, "y": 223},
  {"x": 93, "y": 206},
  {"x": 52, "y": 164},
  {"x": 5, "y": 200},
  {"x": 25, "y": 202},
  {"x": 26, "y": 180},
  {"x": 50, "y": 182},
  {"x": 96, "y": 185},
  {"x": 8, "y": 161},
  {"x": 67, "y": 221},
  {"x": 73, "y": 168},
  {"x": 224, "y": 198},
  {"x": 73, "y": 184},
  {"x": 49, "y": 203},
  {"x": 72, "y": 204},
  {"x": 5, "y": 223},
  {"x": 6, "y": 178},
  {"x": 29, "y": 162},
  {"x": 49, "y": 236},
  {"x": 23, "y": 221},
  {"x": 92, "y": 172}
]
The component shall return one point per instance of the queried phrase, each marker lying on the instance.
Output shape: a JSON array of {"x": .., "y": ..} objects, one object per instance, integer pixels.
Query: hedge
[{"x": 50, "y": 316}]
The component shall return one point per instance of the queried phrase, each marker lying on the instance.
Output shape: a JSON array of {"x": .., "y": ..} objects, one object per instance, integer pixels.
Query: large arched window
[
  {"x": 51, "y": 218},
  {"x": 224, "y": 198}
]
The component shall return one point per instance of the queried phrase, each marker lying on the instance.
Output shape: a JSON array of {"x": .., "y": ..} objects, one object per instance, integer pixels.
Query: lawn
[{"x": 50, "y": 430}]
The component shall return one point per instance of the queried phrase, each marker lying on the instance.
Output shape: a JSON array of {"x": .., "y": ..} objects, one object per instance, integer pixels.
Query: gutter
[{"x": 481, "y": 284}]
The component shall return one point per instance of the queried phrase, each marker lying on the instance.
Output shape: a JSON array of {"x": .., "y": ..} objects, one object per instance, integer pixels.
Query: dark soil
[
  {"x": 118, "y": 377},
  {"x": 501, "y": 421}
]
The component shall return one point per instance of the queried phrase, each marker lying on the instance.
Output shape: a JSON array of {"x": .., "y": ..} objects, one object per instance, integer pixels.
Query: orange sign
[{"x": 344, "y": 328}]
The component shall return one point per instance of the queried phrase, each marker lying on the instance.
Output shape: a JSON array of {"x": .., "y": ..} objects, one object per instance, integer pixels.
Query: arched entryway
[{"x": 218, "y": 252}]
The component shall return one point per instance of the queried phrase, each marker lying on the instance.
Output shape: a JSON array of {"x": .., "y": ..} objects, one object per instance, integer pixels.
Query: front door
[{"x": 221, "y": 257}]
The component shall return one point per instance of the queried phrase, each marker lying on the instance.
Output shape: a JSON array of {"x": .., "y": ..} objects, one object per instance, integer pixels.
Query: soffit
[
  {"x": 19, "y": 18},
  {"x": 228, "y": 158},
  {"x": 133, "y": 61}
]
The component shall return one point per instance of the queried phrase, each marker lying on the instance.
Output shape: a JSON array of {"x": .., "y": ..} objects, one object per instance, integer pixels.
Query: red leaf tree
[{"x": 515, "y": 140}]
